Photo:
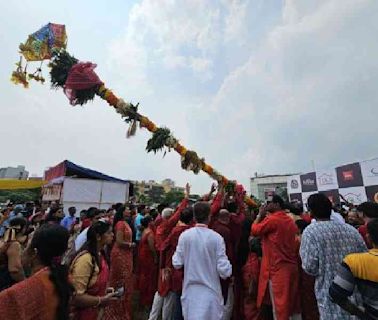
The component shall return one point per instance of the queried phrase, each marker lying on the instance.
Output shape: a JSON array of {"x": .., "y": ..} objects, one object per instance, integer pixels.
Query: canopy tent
[
  {"x": 74, "y": 185},
  {"x": 70, "y": 169}
]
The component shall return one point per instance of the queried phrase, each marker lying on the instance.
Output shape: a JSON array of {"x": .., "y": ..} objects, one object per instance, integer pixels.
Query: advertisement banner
[{"x": 355, "y": 182}]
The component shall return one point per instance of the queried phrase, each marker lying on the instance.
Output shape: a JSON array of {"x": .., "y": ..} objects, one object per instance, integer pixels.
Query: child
[{"x": 250, "y": 273}]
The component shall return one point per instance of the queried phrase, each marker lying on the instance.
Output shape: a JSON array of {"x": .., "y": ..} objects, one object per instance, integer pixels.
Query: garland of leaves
[
  {"x": 162, "y": 138},
  {"x": 60, "y": 64}
]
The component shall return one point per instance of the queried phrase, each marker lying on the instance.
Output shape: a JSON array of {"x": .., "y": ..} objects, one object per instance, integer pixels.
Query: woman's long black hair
[
  {"x": 50, "y": 242},
  {"x": 118, "y": 216},
  {"x": 96, "y": 229}
]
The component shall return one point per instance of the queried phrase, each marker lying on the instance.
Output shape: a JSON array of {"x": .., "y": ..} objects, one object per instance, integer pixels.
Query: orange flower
[
  {"x": 112, "y": 99},
  {"x": 151, "y": 126},
  {"x": 144, "y": 121},
  {"x": 178, "y": 148},
  {"x": 183, "y": 151},
  {"x": 208, "y": 169}
]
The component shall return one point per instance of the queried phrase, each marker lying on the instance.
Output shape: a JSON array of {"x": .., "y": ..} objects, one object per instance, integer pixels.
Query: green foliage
[
  {"x": 144, "y": 199},
  {"x": 61, "y": 63},
  {"x": 173, "y": 197},
  {"x": 156, "y": 194},
  {"x": 21, "y": 195},
  {"x": 191, "y": 161},
  {"x": 83, "y": 96},
  {"x": 158, "y": 139}
]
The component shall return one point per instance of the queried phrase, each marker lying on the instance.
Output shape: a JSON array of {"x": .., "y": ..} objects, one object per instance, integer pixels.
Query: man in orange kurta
[
  {"x": 279, "y": 266},
  {"x": 164, "y": 298},
  {"x": 231, "y": 231}
]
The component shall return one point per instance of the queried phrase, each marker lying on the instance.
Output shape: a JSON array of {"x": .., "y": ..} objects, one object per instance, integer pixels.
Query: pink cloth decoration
[
  {"x": 81, "y": 77},
  {"x": 239, "y": 193}
]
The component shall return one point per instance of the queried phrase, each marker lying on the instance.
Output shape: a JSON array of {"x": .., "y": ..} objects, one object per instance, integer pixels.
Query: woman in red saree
[
  {"x": 309, "y": 304},
  {"x": 90, "y": 274},
  {"x": 45, "y": 295},
  {"x": 121, "y": 269},
  {"x": 250, "y": 276},
  {"x": 148, "y": 264}
]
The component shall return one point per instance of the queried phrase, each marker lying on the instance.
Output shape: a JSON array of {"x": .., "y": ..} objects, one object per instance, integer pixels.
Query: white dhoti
[{"x": 200, "y": 303}]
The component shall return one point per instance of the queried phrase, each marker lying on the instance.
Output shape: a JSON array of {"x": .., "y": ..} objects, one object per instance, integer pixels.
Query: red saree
[
  {"x": 148, "y": 271},
  {"x": 121, "y": 275},
  {"x": 251, "y": 272},
  {"x": 309, "y": 304},
  {"x": 33, "y": 298}
]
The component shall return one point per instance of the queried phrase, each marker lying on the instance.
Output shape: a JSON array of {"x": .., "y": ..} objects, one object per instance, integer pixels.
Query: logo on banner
[
  {"x": 294, "y": 184},
  {"x": 296, "y": 197},
  {"x": 325, "y": 179},
  {"x": 353, "y": 197},
  {"x": 309, "y": 182},
  {"x": 374, "y": 172},
  {"x": 348, "y": 175}
]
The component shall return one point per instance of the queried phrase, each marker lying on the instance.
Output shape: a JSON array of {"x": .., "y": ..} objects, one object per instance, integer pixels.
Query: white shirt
[
  {"x": 81, "y": 239},
  {"x": 202, "y": 253},
  {"x": 335, "y": 216}
]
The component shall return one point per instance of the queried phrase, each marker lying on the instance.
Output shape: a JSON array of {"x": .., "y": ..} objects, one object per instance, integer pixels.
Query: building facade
[
  {"x": 168, "y": 184},
  {"x": 18, "y": 173},
  {"x": 154, "y": 190},
  {"x": 263, "y": 186}
]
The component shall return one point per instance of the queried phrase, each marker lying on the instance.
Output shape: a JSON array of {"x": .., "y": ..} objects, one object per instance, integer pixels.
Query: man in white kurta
[{"x": 202, "y": 254}]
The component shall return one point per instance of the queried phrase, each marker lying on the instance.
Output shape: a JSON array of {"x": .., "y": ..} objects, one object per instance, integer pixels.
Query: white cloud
[
  {"x": 250, "y": 85},
  {"x": 308, "y": 93},
  {"x": 177, "y": 34},
  {"x": 235, "y": 21}
]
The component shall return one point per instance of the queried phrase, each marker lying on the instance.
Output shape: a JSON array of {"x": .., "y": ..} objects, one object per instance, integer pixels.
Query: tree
[
  {"x": 156, "y": 194},
  {"x": 173, "y": 196},
  {"x": 20, "y": 195},
  {"x": 144, "y": 199}
]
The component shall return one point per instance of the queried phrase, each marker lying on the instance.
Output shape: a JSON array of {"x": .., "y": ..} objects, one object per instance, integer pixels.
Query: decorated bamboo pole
[{"x": 80, "y": 84}]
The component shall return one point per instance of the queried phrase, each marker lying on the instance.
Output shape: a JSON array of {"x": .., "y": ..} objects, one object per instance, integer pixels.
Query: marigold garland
[{"x": 61, "y": 63}]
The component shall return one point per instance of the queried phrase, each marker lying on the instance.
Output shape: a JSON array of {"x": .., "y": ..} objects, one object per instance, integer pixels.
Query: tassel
[
  {"x": 132, "y": 129},
  {"x": 19, "y": 76},
  {"x": 37, "y": 75}
]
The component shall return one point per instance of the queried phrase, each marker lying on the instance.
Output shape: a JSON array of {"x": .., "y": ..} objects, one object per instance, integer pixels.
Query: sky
[{"x": 267, "y": 86}]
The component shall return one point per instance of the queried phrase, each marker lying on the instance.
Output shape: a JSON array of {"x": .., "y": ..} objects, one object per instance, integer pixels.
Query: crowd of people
[{"x": 213, "y": 258}]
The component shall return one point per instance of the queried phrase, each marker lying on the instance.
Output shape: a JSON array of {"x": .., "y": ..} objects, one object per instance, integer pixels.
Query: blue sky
[{"x": 252, "y": 85}]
